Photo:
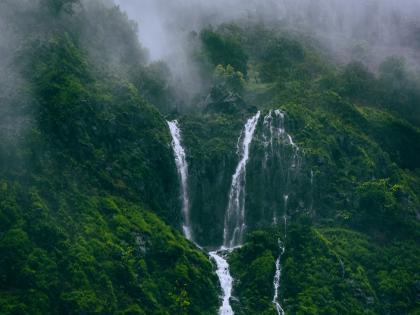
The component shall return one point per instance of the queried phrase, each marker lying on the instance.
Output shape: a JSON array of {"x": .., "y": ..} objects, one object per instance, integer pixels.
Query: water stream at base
[
  {"x": 276, "y": 281},
  {"x": 226, "y": 280}
]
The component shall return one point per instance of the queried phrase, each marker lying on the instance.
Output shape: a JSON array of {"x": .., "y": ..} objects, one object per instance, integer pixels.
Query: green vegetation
[
  {"x": 224, "y": 50},
  {"x": 327, "y": 271},
  {"x": 353, "y": 244},
  {"x": 89, "y": 197},
  {"x": 89, "y": 180},
  {"x": 78, "y": 254},
  {"x": 256, "y": 276}
]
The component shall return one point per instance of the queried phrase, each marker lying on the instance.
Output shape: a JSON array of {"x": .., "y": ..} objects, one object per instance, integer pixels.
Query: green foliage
[
  {"x": 224, "y": 50},
  {"x": 254, "y": 280},
  {"x": 152, "y": 82},
  {"x": 87, "y": 185},
  {"x": 56, "y": 6},
  {"x": 280, "y": 59},
  {"x": 95, "y": 261},
  {"x": 209, "y": 139},
  {"x": 357, "y": 82},
  {"x": 99, "y": 129},
  {"x": 327, "y": 271},
  {"x": 394, "y": 88},
  {"x": 397, "y": 137},
  {"x": 364, "y": 193},
  {"x": 77, "y": 231},
  {"x": 229, "y": 78}
]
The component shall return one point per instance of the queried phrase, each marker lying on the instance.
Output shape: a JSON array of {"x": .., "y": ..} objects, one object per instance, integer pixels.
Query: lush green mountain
[
  {"x": 352, "y": 204},
  {"x": 90, "y": 214},
  {"x": 88, "y": 178}
]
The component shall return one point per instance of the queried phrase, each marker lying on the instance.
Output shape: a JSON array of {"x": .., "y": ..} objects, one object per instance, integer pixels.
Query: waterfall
[
  {"x": 273, "y": 129},
  {"x": 286, "y": 200},
  {"x": 277, "y": 275},
  {"x": 274, "y": 134},
  {"x": 283, "y": 155},
  {"x": 280, "y": 148},
  {"x": 235, "y": 215},
  {"x": 226, "y": 282},
  {"x": 223, "y": 272},
  {"x": 182, "y": 167},
  {"x": 276, "y": 282}
]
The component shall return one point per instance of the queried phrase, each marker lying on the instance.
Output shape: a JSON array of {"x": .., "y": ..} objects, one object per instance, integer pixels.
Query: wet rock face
[
  {"x": 209, "y": 196},
  {"x": 278, "y": 184},
  {"x": 276, "y": 181}
]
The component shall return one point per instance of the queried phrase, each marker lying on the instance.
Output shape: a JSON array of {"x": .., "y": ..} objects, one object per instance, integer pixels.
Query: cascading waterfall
[
  {"x": 275, "y": 139},
  {"x": 272, "y": 130},
  {"x": 226, "y": 281},
  {"x": 236, "y": 209},
  {"x": 235, "y": 215},
  {"x": 277, "y": 274},
  {"x": 274, "y": 133},
  {"x": 182, "y": 167},
  {"x": 234, "y": 225},
  {"x": 276, "y": 282}
]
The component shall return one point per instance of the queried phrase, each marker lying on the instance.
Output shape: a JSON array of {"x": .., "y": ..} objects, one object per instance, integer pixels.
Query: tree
[
  {"x": 230, "y": 78},
  {"x": 280, "y": 57},
  {"x": 224, "y": 50},
  {"x": 57, "y": 6},
  {"x": 357, "y": 82}
]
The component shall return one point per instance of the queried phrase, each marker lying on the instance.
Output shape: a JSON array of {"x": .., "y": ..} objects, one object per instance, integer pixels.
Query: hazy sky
[{"x": 383, "y": 22}]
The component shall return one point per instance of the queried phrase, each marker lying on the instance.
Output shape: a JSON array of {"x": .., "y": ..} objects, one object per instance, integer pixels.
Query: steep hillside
[
  {"x": 334, "y": 178},
  {"x": 88, "y": 177},
  {"x": 300, "y": 175}
]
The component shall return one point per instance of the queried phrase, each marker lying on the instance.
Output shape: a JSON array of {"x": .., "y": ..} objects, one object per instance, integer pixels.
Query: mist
[
  {"x": 366, "y": 30},
  {"x": 12, "y": 97},
  {"x": 363, "y": 30}
]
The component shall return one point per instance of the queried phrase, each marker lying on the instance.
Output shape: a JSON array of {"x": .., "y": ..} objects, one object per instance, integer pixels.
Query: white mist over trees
[
  {"x": 366, "y": 31},
  {"x": 377, "y": 26},
  {"x": 13, "y": 96}
]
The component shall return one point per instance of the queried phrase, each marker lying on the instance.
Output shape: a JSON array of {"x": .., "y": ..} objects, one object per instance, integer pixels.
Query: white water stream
[
  {"x": 276, "y": 282},
  {"x": 234, "y": 226},
  {"x": 223, "y": 272},
  {"x": 235, "y": 214},
  {"x": 226, "y": 281},
  {"x": 274, "y": 132},
  {"x": 182, "y": 167}
]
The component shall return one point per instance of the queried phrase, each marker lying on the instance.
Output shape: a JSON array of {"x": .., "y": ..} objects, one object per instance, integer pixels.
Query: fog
[
  {"x": 12, "y": 98},
  {"x": 368, "y": 29},
  {"x": 161, "y": 23}
]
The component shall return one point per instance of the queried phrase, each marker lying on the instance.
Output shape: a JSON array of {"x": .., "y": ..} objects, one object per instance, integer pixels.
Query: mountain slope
[
  {"x": 90, "y": 209},
  {"x": 88, "y": 178},
  {"x": 351, "y": 204}
]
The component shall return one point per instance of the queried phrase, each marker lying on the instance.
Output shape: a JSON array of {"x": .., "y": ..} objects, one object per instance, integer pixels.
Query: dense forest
[{"x": 313, "y": 157}]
